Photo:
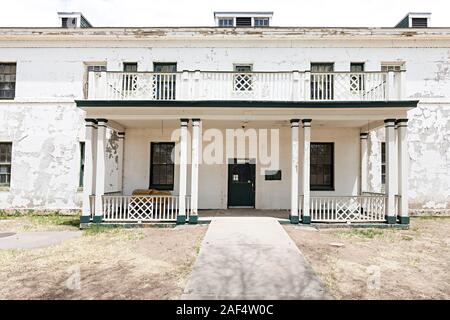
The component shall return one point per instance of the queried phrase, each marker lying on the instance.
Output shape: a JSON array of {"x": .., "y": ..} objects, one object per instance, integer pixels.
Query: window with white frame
[
  {"x": 225, "y": 22},
  {"x": 392, "y": 66},
  {"x": 7, "y": 80},
  {"x": 5, "y": 163},
  {"x": 261, "y": 22}
]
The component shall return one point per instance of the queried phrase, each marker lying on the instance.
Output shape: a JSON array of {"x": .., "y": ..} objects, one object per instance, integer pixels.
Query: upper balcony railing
[{"x": 257, "y": 86}]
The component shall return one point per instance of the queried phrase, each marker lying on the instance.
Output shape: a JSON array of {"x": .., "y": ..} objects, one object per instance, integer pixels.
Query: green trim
[
  {"x": 294, "y": 219},
  {"x": 247, "y": 104},
  {"x": 97, "y": 219},
  {"x": 193, "y": 219},
  {"x": 391, "y": 219},
  {"x": 85, "y": 219},
  {"x": 403, "y": 220},
  {"x": 306, "y": 219},
  {"x": 181, "y": 219}
]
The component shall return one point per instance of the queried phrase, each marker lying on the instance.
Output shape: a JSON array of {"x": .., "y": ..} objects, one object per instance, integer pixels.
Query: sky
[{"x": 305, "y": 13}]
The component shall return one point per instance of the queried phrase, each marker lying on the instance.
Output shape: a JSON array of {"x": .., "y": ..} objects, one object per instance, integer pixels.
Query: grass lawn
[
  {"x": 381, "y": 263},
  {"x": 104, "y": 263}
]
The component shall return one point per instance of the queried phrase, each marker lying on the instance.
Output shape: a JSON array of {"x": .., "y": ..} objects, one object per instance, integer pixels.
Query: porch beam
[
  {"x": 181, "y": 218},
  {"x": 390, "y": 170},
  {"x": 100, "y": 172},
  {"x": 196, "y": 123},
  {"x": 363, "y": 162},
  {"x": 306, "y": 217},
  {"x": 402, "y": 128},
  {"x": 89, "y": 165},
  {"x": 294, "y": 216}
]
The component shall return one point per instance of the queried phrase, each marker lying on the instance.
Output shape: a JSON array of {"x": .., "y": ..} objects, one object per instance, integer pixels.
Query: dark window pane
[
  {"x": 7, "y": 80},
  {"x": 161, "y": 166},
  {"x": 321, "y": 166},
  {"x": 130, "y": 66}
]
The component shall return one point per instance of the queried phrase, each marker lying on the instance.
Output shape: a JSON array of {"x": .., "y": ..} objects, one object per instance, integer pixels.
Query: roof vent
[
  {"x": 243, "y": 19},
  {"x": 415, "y": 20},
  {"x": 73, "y": 20}
]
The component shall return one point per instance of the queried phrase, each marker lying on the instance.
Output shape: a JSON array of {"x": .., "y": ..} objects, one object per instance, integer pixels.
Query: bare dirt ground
[
  {"x": 105, "y": 263},
  {"x": 381, "y": 263}
]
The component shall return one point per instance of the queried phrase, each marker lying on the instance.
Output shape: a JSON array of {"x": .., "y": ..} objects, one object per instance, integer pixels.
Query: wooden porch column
[
  {"x": 121, "y": 136},
  {"x": 196, "y": 140},
  {"x": 181, "y": 218},
  {"x": 390, "y": 170},
  {"x": 306, "y": 217},
  {"x": 402, "y": 127},
  {"x": 89, "y": 165},
  {"x": 294, "y": 216},
  {"x": 100, "y": 172},
  {"x": 363, "y": 172}
]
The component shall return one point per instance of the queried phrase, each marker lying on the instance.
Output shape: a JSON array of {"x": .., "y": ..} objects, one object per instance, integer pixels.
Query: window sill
[
  {"x": 4, "y": 189},
  {"x": 321, "y": 189}
]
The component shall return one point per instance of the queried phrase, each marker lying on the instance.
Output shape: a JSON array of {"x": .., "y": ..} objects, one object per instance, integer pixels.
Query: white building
[{"x": 88, "y": 116}]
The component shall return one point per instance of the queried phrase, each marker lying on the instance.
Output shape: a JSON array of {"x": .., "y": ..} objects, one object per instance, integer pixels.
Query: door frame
[{"x": 232, "y": 161}]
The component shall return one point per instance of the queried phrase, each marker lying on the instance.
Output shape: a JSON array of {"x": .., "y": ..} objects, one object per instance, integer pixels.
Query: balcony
[{"x": 255, "y": 86}]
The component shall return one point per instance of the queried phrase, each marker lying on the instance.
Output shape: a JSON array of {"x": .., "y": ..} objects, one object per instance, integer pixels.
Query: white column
[
  {"x": 363, "y": 172},
  {"x": 390, "y": 170},
  {"x": 294, "y": 216},
  {"x": 181, "y": 218},
  {"x": 306, "y": 218},
  {"x": 402, "y": 127},
  {"x": 89, "y": 163},
  {"x": 196, "y": 123},
  {"x": 121, "y": 136},
  {"x": 100, "y": 172}
]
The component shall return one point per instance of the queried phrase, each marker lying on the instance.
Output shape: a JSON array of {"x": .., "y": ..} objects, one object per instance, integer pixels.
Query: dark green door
[{"x": 241, "y": 184}]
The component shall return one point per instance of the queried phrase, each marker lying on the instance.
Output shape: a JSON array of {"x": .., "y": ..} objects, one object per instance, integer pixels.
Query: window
[
  {"x": 392, "y": 66},
  {"x": 161, "y": 165},
  {"x": 226, "y": 22},
  {"x": 261, "y": 22},
  {"x": 383, "y": 165},
  {"x": 356, "y": 80},
  {"x": 272, "y": 175},
  {"x": 5, "y": 163},
  {"x": 96, "y": 68},
  {"x": 419, "y": 22},
  {"x": 165, "y": 84},
  {"x": 7, "y": 80},
  {"x": 322, "y": 166},
  {"x": 243, "y": 22},
  {"x": 130, "y": 66},
  {"x": 80, "y": 184},
  {"x": 91, "y": 67},
  {"x": 322, "y": 81},
  {"x": 243, "y": 79}
]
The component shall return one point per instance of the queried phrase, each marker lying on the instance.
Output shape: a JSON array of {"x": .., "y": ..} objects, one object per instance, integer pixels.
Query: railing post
[
  {"x": 391, "y": 92},
  {"x": 196, "y": 141},
  {"x": 296, "y": 86},
  {"x": 88, "y": 174},
  {"x": 294, "y": 216},
  {"x": 307, "y": 86},
  {"x": 390, "y": 174},
  {"x": 306, "y": 217},
  {"x": 185, "y": 86},
  {"x": 181, "y": 218},
  {"x": 100, "y": 172},
  {"x": 196, "y": 86},
  {"x": 402, "y": 127}
]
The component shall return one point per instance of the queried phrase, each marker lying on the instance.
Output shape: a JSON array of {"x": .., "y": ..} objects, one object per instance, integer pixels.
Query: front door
[{"x": 241, "y": 183}]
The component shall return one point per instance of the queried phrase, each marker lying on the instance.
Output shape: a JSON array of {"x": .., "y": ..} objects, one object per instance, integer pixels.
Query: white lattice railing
[
  {"x": 142, "y": 208},
  {"x": 269, "y": 86},
  {"x": 347, "y": 209}
]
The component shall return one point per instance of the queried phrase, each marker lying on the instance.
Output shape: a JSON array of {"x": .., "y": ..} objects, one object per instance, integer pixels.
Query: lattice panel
[
  {"x": 140, "y": 208},
  {"x": 243, "y": 82},
  {"x": 348, "y": 210}
]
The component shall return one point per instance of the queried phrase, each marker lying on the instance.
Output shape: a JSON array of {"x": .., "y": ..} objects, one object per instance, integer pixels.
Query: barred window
[
  {"x": 322, "y": 166},
  {"x": 5, "y": 163},
  {"x": 161, "y": 165},
  {"x": 7, "y": 80}
]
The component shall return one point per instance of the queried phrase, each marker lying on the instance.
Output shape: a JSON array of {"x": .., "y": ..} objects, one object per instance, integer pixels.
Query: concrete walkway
[
  {"x": 251, "y": 258},
  {"x": 30, "y": 240}
]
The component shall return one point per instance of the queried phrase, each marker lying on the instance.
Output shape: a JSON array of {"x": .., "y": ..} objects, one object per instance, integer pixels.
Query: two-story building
[{"x": 155, "y": 124}]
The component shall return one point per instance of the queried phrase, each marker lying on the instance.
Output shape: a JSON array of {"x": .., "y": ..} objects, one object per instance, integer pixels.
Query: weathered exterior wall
[{"x": 45, "y": 126}]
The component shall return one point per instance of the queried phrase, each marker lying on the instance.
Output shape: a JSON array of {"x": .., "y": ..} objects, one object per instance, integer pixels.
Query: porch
[{"x": 199, "y": 185}]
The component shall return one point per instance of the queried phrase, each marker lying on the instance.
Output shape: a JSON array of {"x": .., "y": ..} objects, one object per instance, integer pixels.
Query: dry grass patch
[
  {"x": 381, "y": 263},
  {"x": 113, "y": 263}
]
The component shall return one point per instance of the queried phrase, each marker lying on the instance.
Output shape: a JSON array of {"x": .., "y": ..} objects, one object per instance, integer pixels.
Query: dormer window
[
  {"x": 261, "y": 22},
  {"x": 226, "y": 22}
]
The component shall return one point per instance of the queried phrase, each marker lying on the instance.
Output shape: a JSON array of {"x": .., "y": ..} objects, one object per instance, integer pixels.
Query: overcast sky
[{"x": 351, "y": 13}]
